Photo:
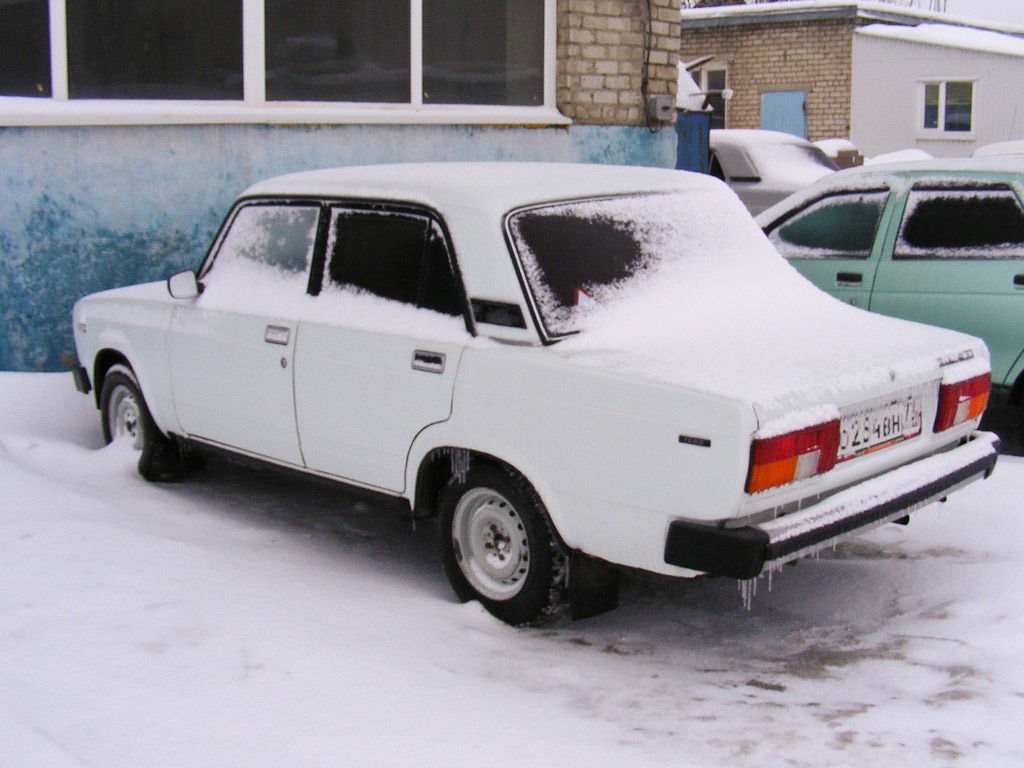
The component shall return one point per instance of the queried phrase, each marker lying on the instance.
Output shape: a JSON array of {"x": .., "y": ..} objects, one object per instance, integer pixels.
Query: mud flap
[{"x": 593, "y": 587}]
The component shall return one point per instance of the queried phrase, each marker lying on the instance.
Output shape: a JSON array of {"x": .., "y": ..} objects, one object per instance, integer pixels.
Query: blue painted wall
[{"x": 88, "y": 208}]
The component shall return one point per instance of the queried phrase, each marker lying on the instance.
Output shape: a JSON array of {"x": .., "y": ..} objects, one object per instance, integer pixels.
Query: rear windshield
[{"x": 579, "y": 254}]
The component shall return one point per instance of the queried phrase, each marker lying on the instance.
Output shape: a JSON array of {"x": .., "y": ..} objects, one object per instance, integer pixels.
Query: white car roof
[{"x": 495, "y": 187}]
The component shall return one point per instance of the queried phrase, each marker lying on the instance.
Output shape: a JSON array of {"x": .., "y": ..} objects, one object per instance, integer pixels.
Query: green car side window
[
  {"x": 841, "y": 226},
  {"x": 980, "y": 223}
]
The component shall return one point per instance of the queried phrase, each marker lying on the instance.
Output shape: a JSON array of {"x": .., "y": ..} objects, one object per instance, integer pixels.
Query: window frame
[
  {"x": 940, "y": 131},
  {"x": 702, "y": 82},
  {"x": 59, "y": 109}
]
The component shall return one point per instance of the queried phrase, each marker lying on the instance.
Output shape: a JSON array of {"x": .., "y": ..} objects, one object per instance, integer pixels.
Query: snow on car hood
[{"x": 731, "y": 317}]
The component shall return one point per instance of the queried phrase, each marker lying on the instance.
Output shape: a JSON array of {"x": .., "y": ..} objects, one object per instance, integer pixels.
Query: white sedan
[{"x": 575, "y": 367}]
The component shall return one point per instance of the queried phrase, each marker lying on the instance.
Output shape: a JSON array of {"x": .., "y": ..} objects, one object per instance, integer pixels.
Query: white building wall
[{"x": 887, "y": 107}]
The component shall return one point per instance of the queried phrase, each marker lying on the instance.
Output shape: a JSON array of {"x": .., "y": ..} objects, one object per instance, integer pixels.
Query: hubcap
[
  {"x": 123, "y": 417},
  {"x": 490, "y": 544}
]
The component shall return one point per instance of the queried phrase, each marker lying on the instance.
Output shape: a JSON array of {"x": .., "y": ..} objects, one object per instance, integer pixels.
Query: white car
[
  {"x": 764, "y": 167},
  {"x": 575, "y": 367}
]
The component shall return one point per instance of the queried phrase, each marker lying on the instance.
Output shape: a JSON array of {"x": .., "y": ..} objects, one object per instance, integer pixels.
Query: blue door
[{"x": 785, "y": 111}]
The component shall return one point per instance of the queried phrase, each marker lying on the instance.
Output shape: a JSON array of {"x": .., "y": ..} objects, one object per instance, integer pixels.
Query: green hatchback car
[{"x": 937, "y": 241}]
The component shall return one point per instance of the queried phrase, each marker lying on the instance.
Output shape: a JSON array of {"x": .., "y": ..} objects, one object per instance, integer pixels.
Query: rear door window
[
  {"x": 403, "y": 257},
  {"x": 961, "y": 223}
]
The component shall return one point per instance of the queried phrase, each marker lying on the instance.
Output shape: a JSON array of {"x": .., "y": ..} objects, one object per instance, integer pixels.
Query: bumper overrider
[{"x": 745, "y": 553}]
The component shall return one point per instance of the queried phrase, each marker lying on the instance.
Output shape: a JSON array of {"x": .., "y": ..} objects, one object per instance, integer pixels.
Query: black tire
[
  {"x": 125, "y": 415},
  {"x": 497, "y": 546}
]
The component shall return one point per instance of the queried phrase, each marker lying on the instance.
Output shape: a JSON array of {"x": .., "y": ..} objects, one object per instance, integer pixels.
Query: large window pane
[
  {"x": 931, "y": 105},
  {"x": 24, "y": 48},
  {"x": 155, "y": 49},
  {"x": 958, "y": 106},
  {"x": 319, "y": 50},
  {"x": 483, "y": 52}
]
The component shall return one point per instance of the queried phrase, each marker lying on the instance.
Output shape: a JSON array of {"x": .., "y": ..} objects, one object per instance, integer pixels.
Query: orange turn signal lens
[{"x": 962, "y": 401}]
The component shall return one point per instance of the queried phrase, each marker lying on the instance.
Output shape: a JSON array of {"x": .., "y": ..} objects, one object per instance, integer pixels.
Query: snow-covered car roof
[
  {"x": 496, "y": 187},
  {"x": 886, "y": 173}
]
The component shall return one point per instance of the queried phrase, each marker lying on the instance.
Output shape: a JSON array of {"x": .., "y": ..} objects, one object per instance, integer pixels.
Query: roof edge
[{"x": 814, "y": 10}]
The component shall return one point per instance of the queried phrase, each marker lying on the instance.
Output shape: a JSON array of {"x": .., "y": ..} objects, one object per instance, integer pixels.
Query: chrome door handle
[{"x": 431, "y": 362}]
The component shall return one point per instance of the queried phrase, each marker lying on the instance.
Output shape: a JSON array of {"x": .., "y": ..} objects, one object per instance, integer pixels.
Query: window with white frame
[
  {"x": 712, "y": 81},
  {"x": 947, "y": 106},
  {"x": 24, "y": 48},
  {"x": 413, "y": 52}
]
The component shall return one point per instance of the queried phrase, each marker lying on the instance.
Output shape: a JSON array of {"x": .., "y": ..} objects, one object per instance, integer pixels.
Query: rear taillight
[
  {"x": 793, "y": 456},
  {"x": 962, "y": 401}
]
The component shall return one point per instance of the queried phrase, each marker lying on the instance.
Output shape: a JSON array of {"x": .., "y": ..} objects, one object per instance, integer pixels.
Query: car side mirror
[{"x": 184, "y": 285}]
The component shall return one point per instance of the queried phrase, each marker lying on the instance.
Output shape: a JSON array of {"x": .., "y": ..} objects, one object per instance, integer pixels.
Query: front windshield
[{"x": 578, "y": 256}]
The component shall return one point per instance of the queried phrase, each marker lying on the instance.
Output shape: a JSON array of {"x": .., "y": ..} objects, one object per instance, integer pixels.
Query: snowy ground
[{"x": 239, "y": 619}]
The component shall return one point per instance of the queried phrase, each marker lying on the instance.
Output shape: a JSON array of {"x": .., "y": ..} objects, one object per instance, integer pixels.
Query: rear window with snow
[
  {"x": 577, "y": 254},
  {"x": 836, "y": 227},
  {"x": 962, "y": 224}
]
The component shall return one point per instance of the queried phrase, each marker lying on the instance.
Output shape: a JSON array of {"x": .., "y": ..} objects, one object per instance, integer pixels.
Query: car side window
[
  {"x": 398, "y": 256},
  {"x": 281, "y": 237},
  {"x": 950, "y": 223},
  {"x": 841, "y": 226}
]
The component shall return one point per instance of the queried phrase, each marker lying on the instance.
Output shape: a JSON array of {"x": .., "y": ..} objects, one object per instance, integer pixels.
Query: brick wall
[
  {"x": 601, "y": 57},
  {"x": 814, "y": 56}
]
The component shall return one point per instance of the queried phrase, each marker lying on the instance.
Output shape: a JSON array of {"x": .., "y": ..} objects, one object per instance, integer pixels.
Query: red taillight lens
[
  {"x": 793, "y": 456},
  {"x": 962, "y": 401}
]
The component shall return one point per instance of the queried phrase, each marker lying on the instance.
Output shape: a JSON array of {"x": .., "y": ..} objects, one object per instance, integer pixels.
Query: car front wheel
[
  {"x": 126, "y": 416},
  {"x": 497, "y": 546}
]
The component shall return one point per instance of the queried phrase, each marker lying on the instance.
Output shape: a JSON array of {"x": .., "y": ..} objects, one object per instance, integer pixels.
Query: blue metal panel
[
  {"x": 785, "y": 111},
  {"x": 692, "y": 148},
  {"x": 88, "y": 208}
]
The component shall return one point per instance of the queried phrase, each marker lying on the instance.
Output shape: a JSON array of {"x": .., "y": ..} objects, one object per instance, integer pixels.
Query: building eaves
[{"x": 796, "y": 11}]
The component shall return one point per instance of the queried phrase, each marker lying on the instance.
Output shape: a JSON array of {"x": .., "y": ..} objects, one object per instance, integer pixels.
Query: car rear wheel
[
  {"x": 497, "y": 545},
  {"x": 125, "y": 416}
]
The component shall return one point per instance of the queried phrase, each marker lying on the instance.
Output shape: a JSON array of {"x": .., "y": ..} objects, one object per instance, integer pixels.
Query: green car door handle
[{"x": 849, "y": 278}]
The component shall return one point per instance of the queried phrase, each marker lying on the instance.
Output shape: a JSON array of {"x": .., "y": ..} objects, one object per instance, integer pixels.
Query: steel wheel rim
[
  {"x": 124, "y": 419},
  {"x": 491, "y": 545}
]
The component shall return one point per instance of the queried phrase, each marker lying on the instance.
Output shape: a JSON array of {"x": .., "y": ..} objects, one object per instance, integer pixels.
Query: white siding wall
[{"x": 886, "y": 95}]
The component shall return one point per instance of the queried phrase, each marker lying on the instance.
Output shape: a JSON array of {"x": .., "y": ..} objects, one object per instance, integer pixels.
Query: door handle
[
  {"x": 849, "y": 278},
  {"x": 1018, "y": 281},
  {"x": 431, "y": 362},
  {"x": 277, "y": 334}
]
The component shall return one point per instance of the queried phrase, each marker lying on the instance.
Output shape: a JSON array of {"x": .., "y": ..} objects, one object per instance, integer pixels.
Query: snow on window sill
[
  {"x": 924, "y": 134},
  {"x": 27, "y": 112}
]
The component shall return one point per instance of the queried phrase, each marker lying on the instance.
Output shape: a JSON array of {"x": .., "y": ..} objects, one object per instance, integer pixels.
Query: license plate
[{"x": 880, "y": 423}]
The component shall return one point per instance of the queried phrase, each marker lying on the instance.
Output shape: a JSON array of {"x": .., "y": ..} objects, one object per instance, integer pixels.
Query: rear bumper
[{"x": 744, "y": 553}]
